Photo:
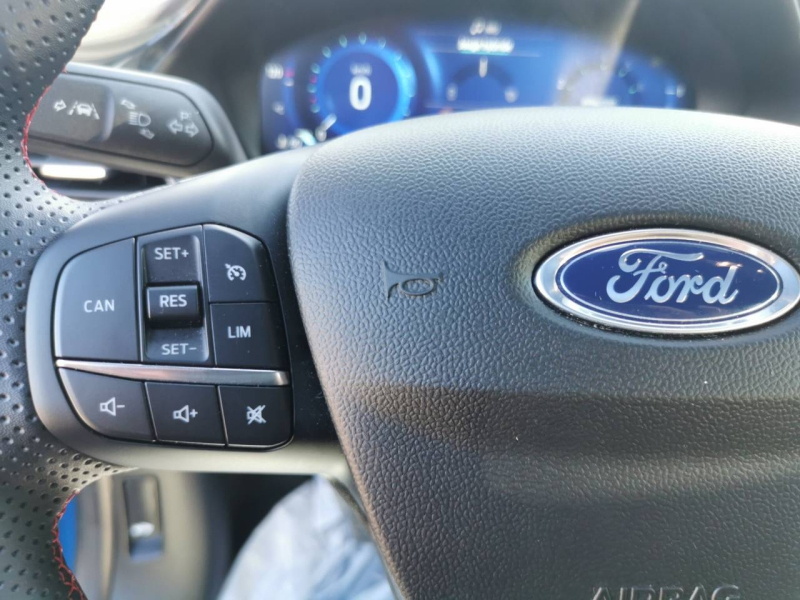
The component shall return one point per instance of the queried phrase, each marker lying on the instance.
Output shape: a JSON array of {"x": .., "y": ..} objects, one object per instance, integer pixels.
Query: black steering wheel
[{"x": 505, "y": 441}]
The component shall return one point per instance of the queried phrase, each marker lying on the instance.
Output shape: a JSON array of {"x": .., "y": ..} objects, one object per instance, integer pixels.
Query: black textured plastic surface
[
  {"x": 503, "y": 450},
  {"x": 37, "y": 473}
]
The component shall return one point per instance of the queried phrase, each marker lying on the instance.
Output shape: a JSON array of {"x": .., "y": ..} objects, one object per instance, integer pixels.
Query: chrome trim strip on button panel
[{"x": 205, "y": 375}]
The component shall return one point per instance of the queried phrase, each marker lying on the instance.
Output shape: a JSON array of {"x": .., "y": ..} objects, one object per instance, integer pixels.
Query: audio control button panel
[{"x": 184, "y": 341}]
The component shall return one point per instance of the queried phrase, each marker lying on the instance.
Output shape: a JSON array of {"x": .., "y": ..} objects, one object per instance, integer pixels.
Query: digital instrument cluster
[{"x": 331, "y": 85}]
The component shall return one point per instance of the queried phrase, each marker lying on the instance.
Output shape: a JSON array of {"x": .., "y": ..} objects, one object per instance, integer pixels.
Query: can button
[{"x": 95, "y": 310}]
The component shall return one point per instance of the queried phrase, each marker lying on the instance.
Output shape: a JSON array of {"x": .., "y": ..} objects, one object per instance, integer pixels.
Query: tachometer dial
[
  {"x": 482, "y": 84},
  {"x": 358, "y": 82},
  {"x": 632, "y": 81}
]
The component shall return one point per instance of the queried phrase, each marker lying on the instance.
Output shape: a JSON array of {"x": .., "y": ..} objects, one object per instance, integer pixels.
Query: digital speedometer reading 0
[
  {"x": 335, "y": 84},
  {"x": 357, "y": 82}
]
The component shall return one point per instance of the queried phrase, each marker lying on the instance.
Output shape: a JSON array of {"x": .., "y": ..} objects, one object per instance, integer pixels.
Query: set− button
[{"x": 177, "y": 345}]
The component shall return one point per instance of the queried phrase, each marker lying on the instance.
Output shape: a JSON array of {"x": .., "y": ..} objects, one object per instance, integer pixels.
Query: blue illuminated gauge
[
  {"x": 600, "y": 85},
  {"x": 481, "y": 83},
  {"x": 357, "y": 82},
  {"x": 631, "y": 82}
]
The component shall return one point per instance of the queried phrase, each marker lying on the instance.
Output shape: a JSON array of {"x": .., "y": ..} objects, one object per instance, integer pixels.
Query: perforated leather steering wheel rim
[{"x": 38, "y": 474}]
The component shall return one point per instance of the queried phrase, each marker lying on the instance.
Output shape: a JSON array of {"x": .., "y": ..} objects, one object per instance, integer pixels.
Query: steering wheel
[{"x": 501, "y": 447}]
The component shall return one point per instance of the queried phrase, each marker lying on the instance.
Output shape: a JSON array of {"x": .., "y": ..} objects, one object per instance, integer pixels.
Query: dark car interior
[{"x": 400, "y": 299}]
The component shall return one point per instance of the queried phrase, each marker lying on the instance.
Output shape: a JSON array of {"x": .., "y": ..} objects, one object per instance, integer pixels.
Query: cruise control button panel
[{"x": 153, "y": 314}]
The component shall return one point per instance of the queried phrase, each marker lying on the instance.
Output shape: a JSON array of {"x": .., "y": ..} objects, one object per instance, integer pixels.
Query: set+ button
[{"x": 175, "y": 258}]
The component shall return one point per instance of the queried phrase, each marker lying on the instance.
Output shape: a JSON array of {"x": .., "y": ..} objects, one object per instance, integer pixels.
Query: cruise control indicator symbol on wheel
[{"x": 236, "y": 272}]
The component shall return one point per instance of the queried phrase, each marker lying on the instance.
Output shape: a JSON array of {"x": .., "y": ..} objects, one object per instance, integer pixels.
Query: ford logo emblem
[{"x": 669, "y": 281}]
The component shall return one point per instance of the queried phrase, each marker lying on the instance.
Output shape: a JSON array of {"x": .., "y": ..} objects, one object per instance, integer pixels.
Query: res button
[
  {"x": 173, "y": 303},
  {"x": 95, "y": 312}
]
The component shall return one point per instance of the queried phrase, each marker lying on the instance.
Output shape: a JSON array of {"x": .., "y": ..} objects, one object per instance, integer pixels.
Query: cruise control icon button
[
  {"x": 235, "y": 272},
  {"x": 239, "y": 269}
]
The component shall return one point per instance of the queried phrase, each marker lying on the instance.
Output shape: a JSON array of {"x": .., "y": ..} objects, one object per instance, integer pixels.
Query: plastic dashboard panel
[{"x": 259, "y": 211}]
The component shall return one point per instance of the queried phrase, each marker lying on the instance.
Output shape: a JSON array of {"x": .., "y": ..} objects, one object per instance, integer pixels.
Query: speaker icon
[
  {"x": 184, "y": 414},
  {"x": 110, "y": 407}
]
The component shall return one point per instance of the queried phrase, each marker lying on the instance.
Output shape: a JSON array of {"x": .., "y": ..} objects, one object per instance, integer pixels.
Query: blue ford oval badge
[{"x": 670, "y": 281}]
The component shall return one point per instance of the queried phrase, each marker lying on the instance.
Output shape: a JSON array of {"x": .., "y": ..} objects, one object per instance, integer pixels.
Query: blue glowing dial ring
[{"x": 359, "y": 82}]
